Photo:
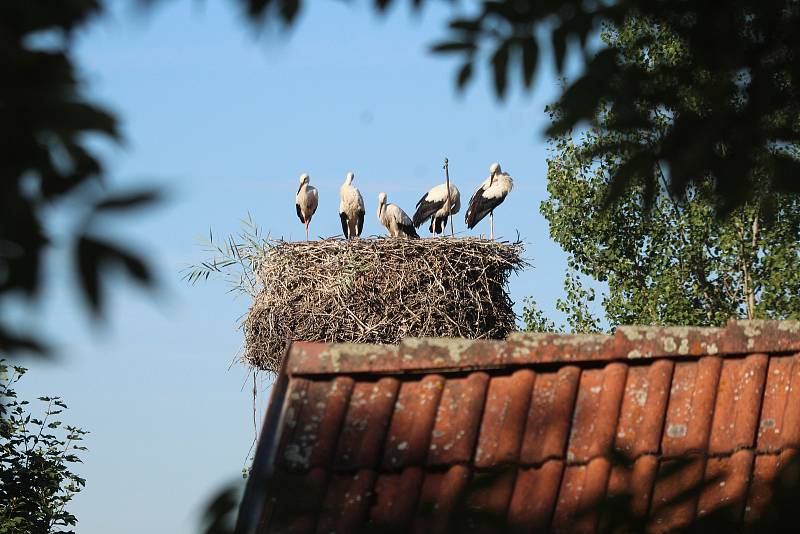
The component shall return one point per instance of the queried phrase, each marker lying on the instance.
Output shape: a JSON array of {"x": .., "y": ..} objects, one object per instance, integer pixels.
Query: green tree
[
  {"x": 665, "y": 260},
  {"x": 36, "y": 453},
  {"x": 726, "y": 87}
]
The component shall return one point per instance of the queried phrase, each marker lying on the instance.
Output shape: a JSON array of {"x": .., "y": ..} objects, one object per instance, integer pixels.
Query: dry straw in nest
[{"x": 379, "y": 291}]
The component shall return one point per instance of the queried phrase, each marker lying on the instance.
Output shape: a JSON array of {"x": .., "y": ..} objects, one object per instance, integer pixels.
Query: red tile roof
[{"x": 531, "y": 434}]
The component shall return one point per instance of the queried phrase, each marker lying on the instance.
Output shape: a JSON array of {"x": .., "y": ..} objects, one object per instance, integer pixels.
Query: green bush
[{"x": 36, "y": 455}]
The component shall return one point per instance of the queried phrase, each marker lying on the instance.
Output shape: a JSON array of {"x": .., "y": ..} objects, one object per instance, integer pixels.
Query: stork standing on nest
[
  {"x": 395, "y": 219},
  {"x": 306, "y": 201},
  {"x": 351, "y": 208},
  {"x": 437, "y": 205},
  {"x": 492, "y": 192}
]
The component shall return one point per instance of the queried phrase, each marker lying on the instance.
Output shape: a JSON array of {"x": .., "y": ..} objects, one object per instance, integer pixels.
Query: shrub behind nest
[{"x": 379, "y": 291}]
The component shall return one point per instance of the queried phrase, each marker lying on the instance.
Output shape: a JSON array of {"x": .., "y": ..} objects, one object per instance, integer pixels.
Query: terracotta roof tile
[
  {"x": 285, "y": 511},
  {"x": 726, "y": 482},
  {"x": 347, "y": 501},
  {"x": 296, "y": 400},
  {"x": 414, "y": 414},
  {"x": 550, "y": 415},
  {"x": 486, "y": 501},
  {"x": 641, "y": 416},
  {"x": 441, "y": 494},
  {"x": 595, "y": 417},
  {"x": 678, "y": 483},
  {"x": 583, "y": 487},
  {"x": 504, "y": 416},
  {"x": 741, "y": 383},
  {"x": 765, "y": 470},
  {"x": 779, "y": 426},
  {"x": 534, "y": 497},
  {"x": 364, "y": 428},
  {"x": 457, "y": 420},
  {"x": 690, "y": 409},
  {"x": 634, "y": 484},
  {"x": 532, "y": 434},
  {"x": 320, "y": 407},
  {"x": 396, "y": 496}
]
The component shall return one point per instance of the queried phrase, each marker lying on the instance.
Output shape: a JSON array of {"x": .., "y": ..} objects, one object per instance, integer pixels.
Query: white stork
[
  {"x": 492, "y": 192},
  {"x": 433, "y": 206},
  {"x": 306, "y": 201},
  {"x": 351, "y": 208},
  {"x": 395, "y": 219}
]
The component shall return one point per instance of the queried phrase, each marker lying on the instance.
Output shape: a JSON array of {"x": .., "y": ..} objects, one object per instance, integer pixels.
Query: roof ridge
[{"x": 628, "y": 343}]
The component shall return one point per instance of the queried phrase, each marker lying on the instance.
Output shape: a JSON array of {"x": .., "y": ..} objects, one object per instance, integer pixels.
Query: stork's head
[
  {"x": 349, "y": 178},
  {"x": 303, "y": 181},
  {"x": 381, "y": 199},
  {"x": 494, "y": 168}
]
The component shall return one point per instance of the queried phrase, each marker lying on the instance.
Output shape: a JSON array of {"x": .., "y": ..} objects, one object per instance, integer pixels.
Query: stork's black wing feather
[
  {"x": 299, "y": 213},
  {"x": 438, "y": 224},
  {"x": 469, "y": 216},
  {"x": 408, "y": 230},
  {"x": 360, "y": 223},
  {"x": 479, "y": 207},
  {"x": 343, "y": 217},
  {"x": 426, "y": 209}
]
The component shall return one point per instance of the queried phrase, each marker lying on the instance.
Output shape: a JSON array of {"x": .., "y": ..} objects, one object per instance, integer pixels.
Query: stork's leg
[
  {"x": 307, "y": 230},
  {"x": 491, "y": 225}
]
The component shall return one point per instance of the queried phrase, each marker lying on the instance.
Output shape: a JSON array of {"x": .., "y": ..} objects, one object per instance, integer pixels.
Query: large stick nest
[{"x": 379, "y": 291}]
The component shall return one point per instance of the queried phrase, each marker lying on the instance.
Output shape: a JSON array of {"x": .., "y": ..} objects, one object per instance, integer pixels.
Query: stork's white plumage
[
  {"x": 433, "y": 206},
  {"x": 351, "y": 208},
  {"x": 395, "y": 219},
  {"x": 492, "y": 192},
  {"x": 306, "y": 201}
]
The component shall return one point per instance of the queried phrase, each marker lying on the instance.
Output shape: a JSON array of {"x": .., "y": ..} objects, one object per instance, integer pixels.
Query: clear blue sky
[{"x": 227, "y": 122}]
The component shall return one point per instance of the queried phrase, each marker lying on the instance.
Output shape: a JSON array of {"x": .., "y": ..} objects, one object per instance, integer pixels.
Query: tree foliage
[
  {"x": 576, "y": 305},
  {"x": 36, "y": 453},
  {"x": 726, "y": 92},
  {"x": 47, "y": 163},
  {"x": 666, "y": 260}
]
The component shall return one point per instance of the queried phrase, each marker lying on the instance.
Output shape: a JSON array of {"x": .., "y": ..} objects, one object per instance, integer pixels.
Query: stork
[
  {"x": 491, "y": 193},
  {"x": 351, "y": 208},
  {"x": 434, "y": 205},
  {"x": 395, "y": 219},
  {"x": 306, "y": 201}
]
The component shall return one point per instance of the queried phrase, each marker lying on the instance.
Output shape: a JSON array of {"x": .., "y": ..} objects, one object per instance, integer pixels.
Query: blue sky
[{"x": 226, "y": 121}]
